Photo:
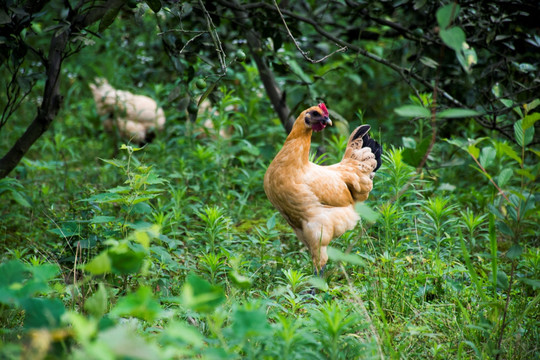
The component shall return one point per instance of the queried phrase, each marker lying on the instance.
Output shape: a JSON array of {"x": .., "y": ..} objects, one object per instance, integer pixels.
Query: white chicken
[{"x": 137, "y": 117}]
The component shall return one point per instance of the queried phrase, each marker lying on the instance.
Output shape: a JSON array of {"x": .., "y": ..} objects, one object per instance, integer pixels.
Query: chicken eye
[{"x": 315, "y": 114}]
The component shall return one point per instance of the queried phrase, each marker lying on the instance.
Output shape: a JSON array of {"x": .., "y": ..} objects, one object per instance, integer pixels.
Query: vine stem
[{"x": 490, "y": 178}]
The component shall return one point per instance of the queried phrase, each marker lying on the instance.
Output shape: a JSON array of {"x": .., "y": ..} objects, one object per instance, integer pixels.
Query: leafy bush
[{"x": 173, "y": 251}]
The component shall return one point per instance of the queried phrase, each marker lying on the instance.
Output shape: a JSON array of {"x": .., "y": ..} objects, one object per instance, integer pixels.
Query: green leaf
[
  {"x": 297, "y": 70},
  {"x": 108, "y": 18},
  {"x": 183, "y": 333},
  {"x": 271, "y": 223},
  {"x": 366, "y": 213},
  {"x": 508, "y": 151},
  {"x": 199, "y": 295},
  {"x": 470, "y": 267},
  {"x": 155, "y": 5},
  {"x": 318, "y": 283},
  {"x": 123, "y": 342},
  {"x": 453, "y": 37},
  {"x": 504, "y": 176},
  {"x": 408, "y": 142},
  {"x": 532, "y": 105},
  {"x": 96, "y": 305},
  {"x": 413, "y": 157},
  {"x": 99, "y": 265},
  {"x": 526, "y": 173},
  {"x": 44, "y": 272},
  {"x": 536, "y": 152},
  {"x": 241, "y": 281},
  {"x": 523, "y": 137},
  {"x": 115, "y": 162},
  {"x": 104, "y": 198},
  {"x": 467, "y": 57},
  {"x": 495, "y": 211},
  {"x": 84, "y": 328},
  {"x": 447, "y": 14},
  {"x": 103, "y": 219},
  {"x": 412, "y": 111},
  {"x": 125, "y": 260},
  {"x": 140, "y": 304},
  {"x": 502, "y": 280},
  {"x": 337, "y": 255},
  {"x": 535, "y": 283},
  {"x": 487, "y": 156},
  {"x": 13, "y": 272},
  {"x": 473, "y": 150},
  {"x": 250, "y": 323},
  {"x": 514, "y": 252},
  {"x": 460, "y": 143},
  {"x": 42, "y": 313},
  {"x": 504, "y": 228},
  {"x": 207, "y": 92},
  {"x": 20, "y": 199},
  {"x": 529, "y": 120},
  {"x": 457, "y": 113}
]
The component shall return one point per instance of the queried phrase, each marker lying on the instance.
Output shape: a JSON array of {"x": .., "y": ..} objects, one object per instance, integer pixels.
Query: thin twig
[
  {"x": 491, "y": 179},
  {"x": 215, "y": 38},
  {"x": 189, "y": 41},
  {"x": 304, "y": 53},
  {"x": 182, "y": 31}
]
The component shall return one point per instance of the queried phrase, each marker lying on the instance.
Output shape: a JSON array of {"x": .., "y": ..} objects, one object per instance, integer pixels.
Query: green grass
[{"x": 173, "y": 251}]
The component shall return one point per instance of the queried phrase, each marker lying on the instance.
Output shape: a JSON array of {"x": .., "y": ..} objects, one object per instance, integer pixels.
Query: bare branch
[
  {"x": 304, "y": 53},
  {"x": 215, "y": 38}
]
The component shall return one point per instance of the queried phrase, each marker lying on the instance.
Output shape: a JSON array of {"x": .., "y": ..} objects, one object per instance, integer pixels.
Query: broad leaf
[
  {"x": 366, "y": 212},
  {"x": 473, "y": 150},
  {"x": 529, "y": 120},
  {"x": 140, "y": 304},
  {"x": 413, "y": 157},
  {"x": 447, "y": 14},
  {"x": 487, "y": 156},
  {"x": 338, "y": 255},
  {"x": 155, "y": 5},
  {"x": 99, "y": 265},
  {"x": 39, "y": 313},
  {"x": 412, "y": 111},
  {"x": 523, "y": 137},
  {"x": 200, "y": 295},
  {"x": 108, "y": 18},
  {"x": 504, "y": 176},
  {"x": 457, "y": 113},
  {"x": 508, "y": 151},
  {"x": 250, "y": 323},
  {"x": 514, "y": 252},
  {"x": 454, "y": 38},
  {"x": 96, "y": 304}
]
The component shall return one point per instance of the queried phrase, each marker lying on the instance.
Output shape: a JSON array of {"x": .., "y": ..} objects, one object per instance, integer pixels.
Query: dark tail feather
[
  {"x": 361, "y": 131},
  {"x": 375, "y": 147}
]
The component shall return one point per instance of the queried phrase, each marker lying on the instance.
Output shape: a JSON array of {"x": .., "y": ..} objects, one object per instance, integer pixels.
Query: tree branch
[
  {"x": 405, "y": 73},
  {"x": 304, "y": 53},
  {"x": 52, "y": 99},
  {"x": 276, "y": 96}
]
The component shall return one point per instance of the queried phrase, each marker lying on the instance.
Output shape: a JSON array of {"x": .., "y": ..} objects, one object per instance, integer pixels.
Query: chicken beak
[{"x": 328, "y": 121}]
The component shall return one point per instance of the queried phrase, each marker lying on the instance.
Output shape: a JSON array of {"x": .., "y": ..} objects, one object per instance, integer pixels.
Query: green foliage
[{"x": 173, "y": 251}]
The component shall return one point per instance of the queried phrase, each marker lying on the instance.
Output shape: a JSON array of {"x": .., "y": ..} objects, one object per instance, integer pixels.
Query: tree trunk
[
  {"x": 276, "y": 96},
  {"x": 47, "y": 111},
  {"x": 52, "y": 99}
]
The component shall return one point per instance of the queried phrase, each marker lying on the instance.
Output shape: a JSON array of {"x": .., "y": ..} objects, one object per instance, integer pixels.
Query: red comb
[{"x": 324, "y": 109}]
